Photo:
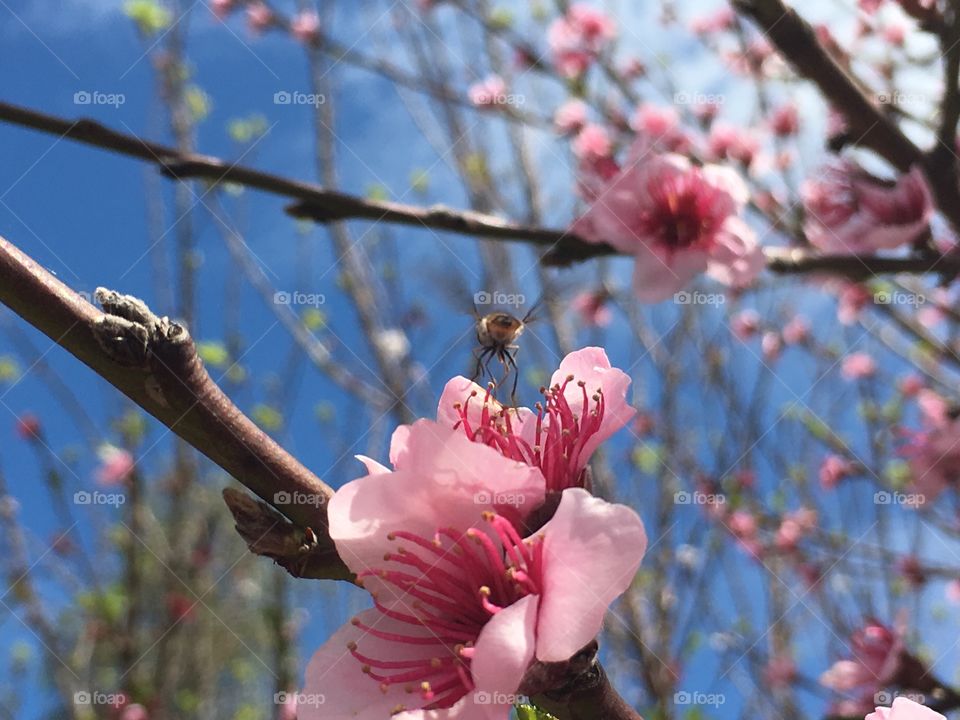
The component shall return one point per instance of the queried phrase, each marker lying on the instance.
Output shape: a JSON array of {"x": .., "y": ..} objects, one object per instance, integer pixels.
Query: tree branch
[
  {"x": 317, "y": 203},
  {"x": 154, "y": 362},
  {"x": 869, "y": 127}
]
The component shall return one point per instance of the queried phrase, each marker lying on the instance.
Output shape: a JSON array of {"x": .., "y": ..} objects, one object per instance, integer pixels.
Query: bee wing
[{"x": 456, "y": 289}]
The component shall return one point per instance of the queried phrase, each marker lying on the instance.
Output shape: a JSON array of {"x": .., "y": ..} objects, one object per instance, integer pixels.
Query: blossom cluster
[{"x": 482, "y": 549}]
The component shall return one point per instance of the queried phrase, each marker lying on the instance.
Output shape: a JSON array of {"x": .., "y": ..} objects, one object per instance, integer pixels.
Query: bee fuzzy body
[{"x": 497, "y": 334}]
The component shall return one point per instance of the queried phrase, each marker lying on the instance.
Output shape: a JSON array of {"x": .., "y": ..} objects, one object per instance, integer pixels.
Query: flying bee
[{"x": 497, "y": 335}]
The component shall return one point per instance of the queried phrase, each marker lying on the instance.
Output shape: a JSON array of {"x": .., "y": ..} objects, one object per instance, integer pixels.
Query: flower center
[
  {"x": 450, "y": 585},
  {"x": 555, "y": 446},
  {"x": 685, "y": 211}
]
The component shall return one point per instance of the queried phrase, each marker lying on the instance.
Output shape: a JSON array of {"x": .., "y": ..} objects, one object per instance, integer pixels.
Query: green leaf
[
  {"x": 325, "y": 412},
  {"x": 9, "y": 370},
  {"x": 214, "y": 353},
  {"x": 198, "y": 103},
  {"x": 420, "y": 180},
  {"x": 270, "y": 419},
  {"x": 501, "y": 18},
  {"x": 132, "y": 425},
  {"x": 150, "y": 17},
  {"x": 897, "y": 474},
  {"x": 531, "y": 712},
  {"x": 377, "y": 192},
  {"x": 476, "y": 166},
  {"x": 314, "y": 319},
  {"x": 245, "y": 130},
  {"x": 647, "y": 458}
]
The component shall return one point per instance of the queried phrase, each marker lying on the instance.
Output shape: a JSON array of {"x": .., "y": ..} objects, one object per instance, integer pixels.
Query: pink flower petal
[
  {"x": 336, "y": 683},
  {"x": 506, "y": 647},
  {"x": 904, "y": 709},
  {"x": 592, "y": 366},
  {"x": 592, "y": 550},
  {"x": 658, "y": 275},
  {"x": 441, "y": 467}
]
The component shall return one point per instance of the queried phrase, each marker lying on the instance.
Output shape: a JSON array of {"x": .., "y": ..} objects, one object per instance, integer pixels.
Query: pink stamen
[
  {"x": 559, "y": 437},
  {"x": 459, "y": 580}
]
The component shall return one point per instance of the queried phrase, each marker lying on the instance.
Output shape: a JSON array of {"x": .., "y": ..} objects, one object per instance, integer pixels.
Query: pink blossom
[
  {"x": 677, "y": 220},
  {"x": 288, "y": 709},
  {"x": 706, "y": 112},
  {"x": 934, "y": 452},
  {"x": 305, "y": 27},
  {"x": 490, "y": 91},
  {"x": 28, "y": 427},
  {"x": 910, "y": 384},
  {"x": 852, "y": 298},
  {"x": 780, "y": 671},
  {"x": 851, "y": 212},
  {"x": 727, "y": 142},
  {"x": 912, "y": 570},
  {"x": 632, "y": 69},
  {"x": 577, "y": 38},
  {"x": 592, "y": 307},
  {"x": 952, "y": 591},
  {"x": 797, "y": 331},
  {"x": 771, "y": 346},
  {"x": 259, "y": 17},
  {"x": 116, "y": 464},
  {"x": 222, "y": 8},
  {"x": 857, "y": 366},
  {"x": 877, "y": 652},
  {"x": 904, "y": 708},
  {"x": 570, "y": 117},
  {"x": 659, "y": 130},
  {"x": 583, "y": 406},
  {"x": 870, "y": 6},
  {"x": 743, "y": 524},
  {"x": 462, "y": 604},
  {"x": 745, "y": 324},
  {"x": 722, "y": 19},
  {"x": 592, "y": 143},
  {"x": 785, "y": 120},
  {"x": 794, "y": 527},
  {"x": 833, "y": 469},
  {"x": 895, "y": 34},
  {"x": 135, "y": 711}
]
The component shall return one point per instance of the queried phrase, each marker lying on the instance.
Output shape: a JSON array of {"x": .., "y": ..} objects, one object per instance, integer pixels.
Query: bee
[{"x": 497, "y": 335}]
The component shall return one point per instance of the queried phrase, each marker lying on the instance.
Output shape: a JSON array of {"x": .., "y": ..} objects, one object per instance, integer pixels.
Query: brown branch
[
  {"x": 797, "y": 261},
  {"x": 154, "y": 362},
  {"x": 322, "y": 205}
]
